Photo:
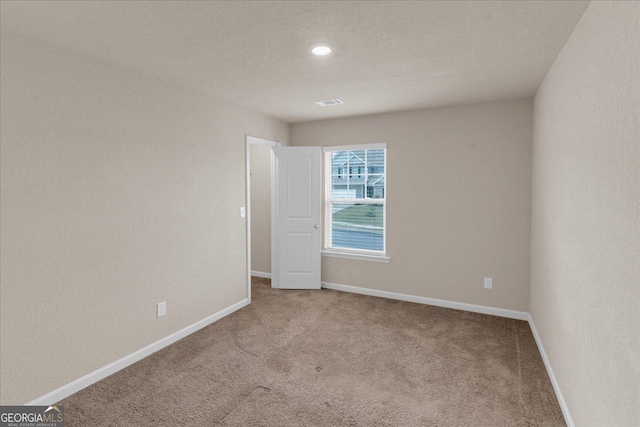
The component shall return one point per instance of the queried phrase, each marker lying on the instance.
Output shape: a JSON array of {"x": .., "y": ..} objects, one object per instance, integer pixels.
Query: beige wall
[
  {"x": 459, "y": 201},
  {"x": 118, "y": 192},
  {"x": 585, "y": 271},
  {"x": 260, "y": 208}
]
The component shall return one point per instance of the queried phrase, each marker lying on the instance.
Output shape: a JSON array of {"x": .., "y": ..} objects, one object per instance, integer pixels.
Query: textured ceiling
[{"x": 389, "y": 55}]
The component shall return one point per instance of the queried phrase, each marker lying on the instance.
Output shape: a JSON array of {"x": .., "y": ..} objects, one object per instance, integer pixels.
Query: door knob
[{"x": 316, "y": 225}]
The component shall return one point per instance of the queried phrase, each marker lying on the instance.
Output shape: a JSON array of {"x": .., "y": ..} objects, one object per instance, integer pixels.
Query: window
[{"x": 355, "y": 202}]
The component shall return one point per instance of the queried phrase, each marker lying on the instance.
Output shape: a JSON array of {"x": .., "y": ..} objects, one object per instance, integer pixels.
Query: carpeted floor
[{"x": 328, "y": 358}]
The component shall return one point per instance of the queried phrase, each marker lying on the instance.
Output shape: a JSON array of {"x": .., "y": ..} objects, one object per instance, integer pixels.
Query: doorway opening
[{"x": 261, "y": 227}]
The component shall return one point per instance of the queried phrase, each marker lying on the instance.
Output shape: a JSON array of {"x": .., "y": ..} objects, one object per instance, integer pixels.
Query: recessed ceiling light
[{"x": 321, "y": 49}]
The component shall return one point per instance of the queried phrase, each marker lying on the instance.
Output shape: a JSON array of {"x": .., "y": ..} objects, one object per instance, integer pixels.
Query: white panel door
[{"x": 299, "y": 212}]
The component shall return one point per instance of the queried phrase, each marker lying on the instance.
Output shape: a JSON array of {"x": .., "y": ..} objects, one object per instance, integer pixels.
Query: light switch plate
[
  {"x": 243, "y": 212},
  {"x": 162, "y": 308}
]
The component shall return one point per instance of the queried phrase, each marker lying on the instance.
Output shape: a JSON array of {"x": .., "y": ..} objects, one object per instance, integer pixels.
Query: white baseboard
[
  {"x": 552, "y": 376},
  {"x": 95, "y": 376},
  {"x": 261, "y": 274},
  {"x": 502, "y": 312}
]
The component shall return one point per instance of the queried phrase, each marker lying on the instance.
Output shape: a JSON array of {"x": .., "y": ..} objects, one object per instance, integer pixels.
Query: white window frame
[{"x": 361, "y": 254}]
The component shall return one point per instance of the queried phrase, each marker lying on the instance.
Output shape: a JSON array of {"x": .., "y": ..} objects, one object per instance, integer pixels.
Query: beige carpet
[{"x": 328, "y": 358}]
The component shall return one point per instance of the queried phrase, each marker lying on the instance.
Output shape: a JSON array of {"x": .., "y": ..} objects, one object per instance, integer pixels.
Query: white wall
[
  {"x": 260, "y": 208},
  {"x": 118, "y": 191},
  {"x": 458, "y": 201},
  {"x": 585, "y": 271}
]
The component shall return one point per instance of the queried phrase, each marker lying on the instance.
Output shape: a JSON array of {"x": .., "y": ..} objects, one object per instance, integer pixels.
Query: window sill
[{"x": 356, "y": 255}]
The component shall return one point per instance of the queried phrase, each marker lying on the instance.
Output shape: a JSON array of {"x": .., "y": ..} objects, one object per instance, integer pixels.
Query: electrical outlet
[
  {"x": 488, "y": 283},
  {"x": 162, "y": 308}
]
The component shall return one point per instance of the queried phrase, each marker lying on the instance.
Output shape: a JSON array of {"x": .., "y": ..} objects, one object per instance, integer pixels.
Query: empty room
[{"x": 319, "y": 213}]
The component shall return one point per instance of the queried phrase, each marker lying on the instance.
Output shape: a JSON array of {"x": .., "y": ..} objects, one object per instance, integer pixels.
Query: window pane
[
  {"x": 340, "y": 190},
  {"x": 356, "y": 159},
  {"x": 339, "y": 162},
  {"x": 348, "y": 186},
  {"x": 375, "y": 161},
  {"x": 357, "y": 226},
  {"x": 375, "y": 187}
]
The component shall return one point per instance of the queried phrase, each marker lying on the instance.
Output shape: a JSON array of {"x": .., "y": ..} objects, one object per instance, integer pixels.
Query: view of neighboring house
[
  {"x": 357, "y": 178},
  {"x": 354, "y": 172}
]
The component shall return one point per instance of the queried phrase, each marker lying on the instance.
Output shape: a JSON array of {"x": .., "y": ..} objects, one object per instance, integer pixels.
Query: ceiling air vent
[{"x": 329, "y": 102}]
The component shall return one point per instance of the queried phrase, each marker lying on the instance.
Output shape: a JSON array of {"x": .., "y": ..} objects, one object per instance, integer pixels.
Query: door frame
[{"x": 249, "y": 140}]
